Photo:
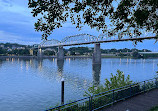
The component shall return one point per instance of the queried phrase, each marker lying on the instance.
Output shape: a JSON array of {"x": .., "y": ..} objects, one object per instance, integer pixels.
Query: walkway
[{"x": 142, "y": 102}]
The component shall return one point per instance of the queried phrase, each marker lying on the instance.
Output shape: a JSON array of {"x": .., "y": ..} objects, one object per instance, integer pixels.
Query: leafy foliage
[
  {"x": 155, "y": 108},
  {"x": 48, "y": 53},
  {"x": 137, "y": 15},
  {"x": 2, "y": 51},
  {"x": 14, "y": 48},
  {"x": 19, "y": 52},
  {"x": 136, "y": 54},
  {"x": 126, "y": 16},
  {"x": 80, "y": 50},
  {"x": 115, "y": 81}
]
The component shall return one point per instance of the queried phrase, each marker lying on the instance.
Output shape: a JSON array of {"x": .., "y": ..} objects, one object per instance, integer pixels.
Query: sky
[{"x": 17, "y": 26}]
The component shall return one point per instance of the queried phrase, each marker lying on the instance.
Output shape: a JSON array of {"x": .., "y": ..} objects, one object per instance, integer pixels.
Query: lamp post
[{"x": 62, "y": 91}]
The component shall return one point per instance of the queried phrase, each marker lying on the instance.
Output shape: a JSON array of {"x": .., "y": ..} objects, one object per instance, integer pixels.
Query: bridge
[{"x": 83, "y": 39}]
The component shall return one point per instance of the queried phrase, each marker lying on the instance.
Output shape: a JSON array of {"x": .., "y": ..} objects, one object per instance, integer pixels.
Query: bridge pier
[
  {"x": 60, "y": 54},
  {"x": 97, "y": 54},
  {"x": 39, "y": 53},
  {"x": 96, "y": 74}
]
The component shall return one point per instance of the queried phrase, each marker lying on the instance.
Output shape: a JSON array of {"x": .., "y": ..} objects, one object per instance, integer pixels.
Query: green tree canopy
[
  {"x": 115, "y": 81},
  {"x": 126, "y": 16}
]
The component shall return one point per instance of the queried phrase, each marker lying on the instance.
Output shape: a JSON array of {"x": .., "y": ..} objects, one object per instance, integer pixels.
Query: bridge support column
[
  {"x": 97, "y": 54},
  {"x": 60, "y": 54},
  {"x": 96, "y": 74},
  {"x": 39, "y": 53}
]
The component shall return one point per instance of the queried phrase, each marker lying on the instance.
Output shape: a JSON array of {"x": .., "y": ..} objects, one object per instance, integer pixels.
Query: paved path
[{"x": 142, "y": 102}]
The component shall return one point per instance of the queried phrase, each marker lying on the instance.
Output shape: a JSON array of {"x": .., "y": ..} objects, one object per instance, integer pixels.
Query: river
[{"x": 35, "y": 84}]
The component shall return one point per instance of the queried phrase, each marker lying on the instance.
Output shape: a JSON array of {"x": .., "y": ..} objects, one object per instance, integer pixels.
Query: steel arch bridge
[
  {"x": 76, "y": 39},
  {"x": 82, "y": 39},
  {"x": 48, "y": 43}
]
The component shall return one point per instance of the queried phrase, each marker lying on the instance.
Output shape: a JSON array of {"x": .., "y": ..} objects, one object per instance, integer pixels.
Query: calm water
[{"x": 34, "y": 85}]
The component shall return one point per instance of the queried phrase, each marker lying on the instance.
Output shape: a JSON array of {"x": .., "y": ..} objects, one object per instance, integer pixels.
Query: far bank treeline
[{"x": 9, "y": 49}]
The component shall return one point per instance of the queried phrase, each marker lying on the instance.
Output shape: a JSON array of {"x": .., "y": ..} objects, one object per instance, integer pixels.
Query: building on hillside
[
  {"x": 9, "y": 49},
  {"x": 87, "y": 54},
  {"x": 2, "y": 46},
  {"x": 35, "y": 45},
  {"x": 148, "y": 54},
  {"x": 77, "y": 53},
  {"x": 31, "y": 52},
  {"x": 90, "y": 48},
  {"x": 14, "y": 47},
  {"x": 20, "y": 48},
  {"x": 68, "y": 53}
]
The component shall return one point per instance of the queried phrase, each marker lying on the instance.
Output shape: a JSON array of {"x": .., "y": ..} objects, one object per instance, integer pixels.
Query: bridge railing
[{"x": 108, "y": 98}]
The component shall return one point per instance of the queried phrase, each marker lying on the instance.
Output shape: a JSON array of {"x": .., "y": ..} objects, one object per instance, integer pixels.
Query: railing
[{"x": 108, "y": 98}]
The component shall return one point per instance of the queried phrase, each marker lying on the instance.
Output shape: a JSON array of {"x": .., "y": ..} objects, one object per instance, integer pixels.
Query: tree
[
  {"x": 80, "y": 50},
  {"x": 135, "y": 54},
  {"x": 124, "y": 15},
  {"x": 48, "y": 53},
  {"x": 136, "y": 15},
  {"x": 116, "y": 81},
  {"x": 2, "y": 51},
  {"x": 113, "y": 51}
]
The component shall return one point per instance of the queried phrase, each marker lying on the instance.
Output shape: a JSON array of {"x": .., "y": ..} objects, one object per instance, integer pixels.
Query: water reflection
[
  {"x": 120, "y": 61},
  {"x": 40, "y": 64},
  {"x": 60, "y": 64},
  {"x": 0, "y": 62},
  {"x": 96, "y": 74},
  {"x": 127, "y": 62},
  {"x": 37, "y": 83},
  {"x": 153, "y": 65}
]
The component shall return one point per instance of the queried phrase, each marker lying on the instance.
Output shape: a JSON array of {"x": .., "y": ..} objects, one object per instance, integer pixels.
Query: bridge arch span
[
  {"x": 78, "y": 39},
  {"x": 47, "y": 43}
]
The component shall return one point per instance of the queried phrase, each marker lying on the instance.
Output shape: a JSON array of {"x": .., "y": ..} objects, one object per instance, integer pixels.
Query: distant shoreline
[
  {"x": 45, "y": 57},
  {"x": 56, "y": 57}
]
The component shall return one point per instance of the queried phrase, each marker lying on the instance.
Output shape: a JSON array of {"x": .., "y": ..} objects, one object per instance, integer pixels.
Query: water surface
[{"x": 35, "y": 84}]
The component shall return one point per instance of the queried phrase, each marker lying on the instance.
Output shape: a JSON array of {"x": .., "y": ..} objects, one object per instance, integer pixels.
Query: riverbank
[{"x": 44, "y": 57}]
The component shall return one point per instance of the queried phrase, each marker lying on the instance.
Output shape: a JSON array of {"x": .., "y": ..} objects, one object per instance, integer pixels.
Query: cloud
[
  {"x": 16, "y": 23},
  {"x": 16, "y": 18},
  {"x": 14, "y": 7},
  {"x": 5, "y": 3},
  {"x": 17, "y": 26},
  {"x": 15, "y": 12},
  {"x": 12, "y": 38}
]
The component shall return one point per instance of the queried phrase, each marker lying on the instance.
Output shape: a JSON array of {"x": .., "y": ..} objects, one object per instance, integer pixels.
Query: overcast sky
[{"x": 17, "y": 26}]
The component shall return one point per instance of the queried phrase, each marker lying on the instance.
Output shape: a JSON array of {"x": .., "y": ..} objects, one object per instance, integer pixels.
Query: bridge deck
[{"x": 142, "y": 102}]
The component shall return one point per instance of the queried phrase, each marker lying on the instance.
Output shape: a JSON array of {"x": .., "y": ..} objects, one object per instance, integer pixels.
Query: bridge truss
[{"x": 82, "y": 39}]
